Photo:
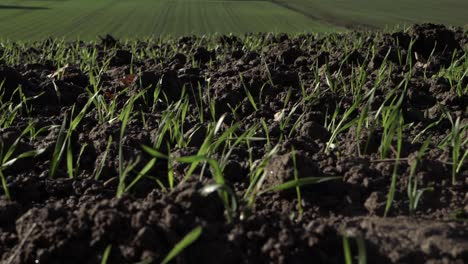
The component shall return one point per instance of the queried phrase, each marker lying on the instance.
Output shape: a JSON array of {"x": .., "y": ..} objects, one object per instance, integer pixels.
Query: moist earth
[{"x": 61, "y": 219}]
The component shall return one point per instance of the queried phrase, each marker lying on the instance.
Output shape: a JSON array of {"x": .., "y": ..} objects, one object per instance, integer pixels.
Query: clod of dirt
[
  {"x": 289, "y": 55},
  {"x": 230, "y": 40},
  {"x": 409, "y": 240},
  {"x": 419, "y": 95},
  {"x": 75, "y": 76},
  {"x": 9, "y": 211},
  {"x": 234, "y": 171},
  {"x": 354, "y": 57},
  {"x": 171, "y": 85},
  {"x": 280, "y": 169},
  {"x": 249, "y": 57},
  {"x": 108, "y": 41},
  {"x": 188, "y": 195},
  {"x": 121, "y": 57},
  {"x": 179, "y": 58},
  {"x": 149, "y": 79},
  {"x": 202, "y": 55},
  {"x": 9, "y": 137},
  {"x": 59, "y": 93},
  {"x": 191, "y": 77},
  {"x": 11, "y": 80},
  {"x": 368, "y": 140},
  {"x": 375, "y": 203},
  {"x": 313, "y": 130},
  {"x": 321, "y": 58},
  {"x": 430, "y": 37},
  {"x": 301, "y": 61}
]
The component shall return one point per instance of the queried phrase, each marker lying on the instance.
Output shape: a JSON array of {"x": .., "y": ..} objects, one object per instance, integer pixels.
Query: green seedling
[
  {"x": 216, "y": 172},
  {"x": 391, "y": 119},
  {"x": 141, "y": 174},
  {"x": 391, "y": 193},
  {"x": 6, "y": 159},
  {"x": 223, "y": 189},
  {"x": 298, "y": 188},
  {"x": 249, "y": 95},
  {"x": 362, "y": 253},
  {"x": 304, "y": 181},
  {"x": 460, "y": 216},
  {"x": 73, "y": 167},
  {"x": 458, "y": 140},
  {"x": 63, "y": 143},
  {"x": 347, "y": 251},
  {"x": 415, "y": 194},
  {"x": 106, "y": 254},
  {"x": 189, "y": 239},
  {"x": 125, "y": 117},
  {"x": 100, "y": 167},
  {"x": 258, "y": 174},
  {"x": 342, "y": 126}
]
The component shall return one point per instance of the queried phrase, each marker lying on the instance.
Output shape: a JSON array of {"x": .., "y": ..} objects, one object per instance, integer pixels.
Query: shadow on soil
[{"x": 22, "y": 7}]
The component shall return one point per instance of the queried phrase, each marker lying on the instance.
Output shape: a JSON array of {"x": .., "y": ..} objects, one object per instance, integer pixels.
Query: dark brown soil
[{"x": 63, "y": 220}]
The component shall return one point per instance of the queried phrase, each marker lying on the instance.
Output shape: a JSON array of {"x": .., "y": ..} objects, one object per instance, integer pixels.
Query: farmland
[
  {"x": 264, "y": 148},
  {"x": 85, "y": 19},
  {"x": 233, "y": 131},
  {"x": 88, "y": 18},
  {"x": 381, "y": 13}
]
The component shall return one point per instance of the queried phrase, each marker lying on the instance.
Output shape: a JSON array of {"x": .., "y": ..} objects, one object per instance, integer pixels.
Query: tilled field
[{"x": 255, "y": 149}]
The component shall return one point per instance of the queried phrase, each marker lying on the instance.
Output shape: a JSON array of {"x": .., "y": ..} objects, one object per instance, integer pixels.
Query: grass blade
[
  {"x": 101, "y": 165},
  {"x": 5, "y": 186},
  {"x": 300, "y": 182},
  {"x": 28, "y": 154},
  {"x": 347, "y": 251},
  {"x": 142, "y": 173},
  {"x": 191, "y": 237},
  {"x": 58, "y": 150},
  {"x": 106, "y": 254}
]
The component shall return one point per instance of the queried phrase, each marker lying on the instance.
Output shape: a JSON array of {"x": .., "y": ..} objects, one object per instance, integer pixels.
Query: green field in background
[
  {"x": 381, "y": 13},
  {"x": 85, "y": 19}
]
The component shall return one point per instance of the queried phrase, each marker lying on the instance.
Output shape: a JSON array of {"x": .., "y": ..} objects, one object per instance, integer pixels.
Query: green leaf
[
  {"x": 5, "y": 186},
  {"x": 106, "y": 254},
  {"x": 301, "y": 182},
  {"x": 347, "y": 251},
  {"x": 211, "y": 188},
  {"x": 219, "y": 123},
  {"x": 103, "y": 160},
  {"x": 191, "y": 159},
  {"x": 154, "y": 152},
  {"x": 69, "y": 159},
  {"x": 59, "y": 147},
  {"x": 362, "y": 252},
  {"x": 142, "y": 173},
  {"x": 28, "y": 154},
  {"x": 185, "y": 242}
]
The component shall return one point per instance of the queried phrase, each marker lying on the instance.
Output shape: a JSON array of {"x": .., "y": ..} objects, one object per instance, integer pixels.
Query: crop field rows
[
  {"x": 89, "y": 18},
  {"x": 264, "y": 148},
  {"x": 85, "y": 19}
]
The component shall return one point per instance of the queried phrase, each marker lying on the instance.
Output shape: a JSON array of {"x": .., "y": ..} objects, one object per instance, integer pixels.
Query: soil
[{"x": 73, "y": 220}]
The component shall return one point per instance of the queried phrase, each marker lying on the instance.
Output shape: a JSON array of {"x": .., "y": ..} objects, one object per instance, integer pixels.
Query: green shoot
[
  {"x": 361, "y": 246},
  {"x": 300, "y": 182},
  {"x": 391, "y": 194},
  {"x": 414, "y": 194},
  {"x": 189, "y": 239},
  {"x": 347, "y": 251},
  {"x": 106, "y": 254},
  {"x": 298, "y": 189},
  {"x": 100, "y": 167}
]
